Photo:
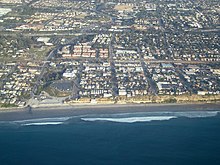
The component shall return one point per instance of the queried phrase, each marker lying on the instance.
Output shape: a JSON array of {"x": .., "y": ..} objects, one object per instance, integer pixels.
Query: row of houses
[
  {"x": 17, "y": 86},
  {"x": 202, "y": 78},
  {"x": 130, "y": 76},
  {"x": 84, "y": 50},
  {"x": 96, "y": 80},
  {"x": 167, "y": 79}
]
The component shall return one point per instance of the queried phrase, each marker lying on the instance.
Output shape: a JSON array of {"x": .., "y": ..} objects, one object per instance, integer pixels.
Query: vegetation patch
[
  {"x": 56, "y": 93},
  {"x": 6, "y": 105}
]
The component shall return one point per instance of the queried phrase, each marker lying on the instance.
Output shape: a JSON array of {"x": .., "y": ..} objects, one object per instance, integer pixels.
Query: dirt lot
[{"x": 123, "y": 7}]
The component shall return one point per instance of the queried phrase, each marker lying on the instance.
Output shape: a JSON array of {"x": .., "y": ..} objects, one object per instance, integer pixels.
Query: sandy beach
[{"x": 75, "y": 110}]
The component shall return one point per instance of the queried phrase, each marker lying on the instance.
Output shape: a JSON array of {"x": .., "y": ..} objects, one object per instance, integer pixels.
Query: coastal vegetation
[
  {"x": 152, "y": 99},
  {"x": 6, "y": 105},
  {"x": 56, "y": 93}
]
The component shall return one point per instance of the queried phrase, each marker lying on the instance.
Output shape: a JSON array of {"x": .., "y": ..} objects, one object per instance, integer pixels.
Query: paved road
[
  {"x": 152, "y": 89},
  {"x": 51, "y": 54},
  {"x": 113, "y": 72}
]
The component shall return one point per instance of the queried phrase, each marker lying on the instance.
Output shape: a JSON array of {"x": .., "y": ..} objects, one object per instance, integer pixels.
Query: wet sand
[{"x": 75, "y": 110}]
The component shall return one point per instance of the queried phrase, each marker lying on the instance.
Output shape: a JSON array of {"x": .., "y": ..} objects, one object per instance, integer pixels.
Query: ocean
[{"x": 144, "y": 138}]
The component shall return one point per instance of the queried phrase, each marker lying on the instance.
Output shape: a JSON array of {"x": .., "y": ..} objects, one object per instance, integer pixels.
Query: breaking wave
[
  {"x": 42, "y": 121},
  {"x": 131, "y": 119},
  {"x": 149, "y": 116},
  {"x": 117, "y": 117}
]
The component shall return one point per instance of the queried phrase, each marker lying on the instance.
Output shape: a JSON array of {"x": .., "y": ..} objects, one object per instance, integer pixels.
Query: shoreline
[{"x": 87, "y": 109}]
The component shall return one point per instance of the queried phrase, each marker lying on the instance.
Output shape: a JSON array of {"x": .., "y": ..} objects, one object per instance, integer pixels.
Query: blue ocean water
[{"x": 120, "y": 139}]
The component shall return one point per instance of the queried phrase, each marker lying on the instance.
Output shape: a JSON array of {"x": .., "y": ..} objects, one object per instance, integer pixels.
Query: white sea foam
[
  {"x": 117, "y": 117},
  {"x": 188, "y": 114},
  {"x": 44, "y": 119},
  {"x": 149, "y": 116},
  {"x": 197, "y": 114},
  {"x": 131, "y": 119},
  {"x": 43, "y": 123}
]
